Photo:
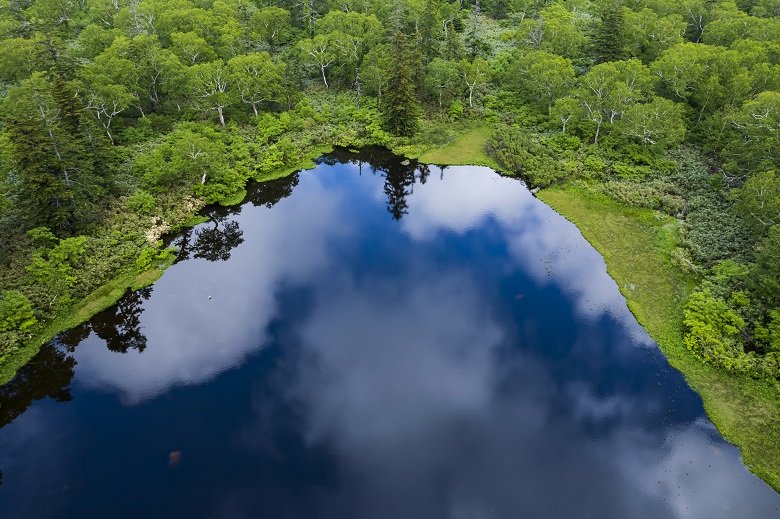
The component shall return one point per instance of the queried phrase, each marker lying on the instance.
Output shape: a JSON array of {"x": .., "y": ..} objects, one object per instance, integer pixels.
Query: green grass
[
  {"x": 635, "y": 245},
  {"x": 468, "y": 149},
  {"x": 235, "y": 199}
]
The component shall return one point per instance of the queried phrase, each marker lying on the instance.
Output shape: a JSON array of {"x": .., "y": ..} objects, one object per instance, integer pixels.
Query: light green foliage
[
  {"x": 456, "y": 110},
  {"x": 319, "y": 52},
  {"x": 650, "y": 34},
  {"x": 556, "y": 30},
  {"x": 375, "y": 72},
  {"x": 141, "y": 202},
  {"x": 271, "y": 25},
  {"x": 152, "y": 256},
  {"x": 15, "y": 312},
  {"x": 442, "y": 79},
  {"x": 713, "y": 328},
  {"x": 211, "y": 87},
  {"x": 769, "y": 336},
  {"x": 19, "y": 59},
  {"x": 758, "y": 200},
  {"x": 42, "y": 237},
  {"x": 197, "y": 156},
  {"x": 351, "y": 35},
  {"x": 731, "y": 24},
  {"x": 658, "y": 123},
  {"x": 756, "y": 141},
  {"x": 191, "y": 48},
  {"x": 609, "y": 89},
  {"x": 475, "y": 74},
  {"x": 705, "y": 76},
  {"x": 257, "y": 79},
  {"x": 147, "y": 71},
  {"x": 55, "y": 268},
  {"x": 541, "y": 76}
]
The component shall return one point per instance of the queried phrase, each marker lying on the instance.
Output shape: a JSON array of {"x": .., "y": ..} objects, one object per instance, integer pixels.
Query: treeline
[{"x": 120, "y": 118}]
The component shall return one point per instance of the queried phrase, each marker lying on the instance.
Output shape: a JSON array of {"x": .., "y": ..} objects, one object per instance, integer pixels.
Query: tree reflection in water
[
  {"x": 400, "y": 174},
  {"x": 51, "y": 371},
  {"x": 120, "y": 325},
  {"x": 48, "y": 375}
]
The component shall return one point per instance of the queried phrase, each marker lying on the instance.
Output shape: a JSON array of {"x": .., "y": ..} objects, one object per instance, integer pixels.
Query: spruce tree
[
  {"x": 401, "y": 110},
  {"x": 609, "y": 40},
  {"x": 59, "y": 162},
  {"x": 429, "y": 32}
]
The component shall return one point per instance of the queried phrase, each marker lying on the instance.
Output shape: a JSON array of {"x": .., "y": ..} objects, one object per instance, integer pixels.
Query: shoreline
[{"x": 745, "y": 411}]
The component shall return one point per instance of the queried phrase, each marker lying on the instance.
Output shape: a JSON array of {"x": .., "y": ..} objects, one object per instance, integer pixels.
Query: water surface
[{"x": 369, "y": 340}]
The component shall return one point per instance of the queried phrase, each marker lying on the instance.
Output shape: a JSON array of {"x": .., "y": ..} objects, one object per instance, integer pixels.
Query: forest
[{"x": 120, "y": 119}]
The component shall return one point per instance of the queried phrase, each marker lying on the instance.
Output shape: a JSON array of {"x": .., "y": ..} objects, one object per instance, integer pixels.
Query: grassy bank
[
  {"x": 467, "y": 149},
  {"x": 635, "y": 245}
]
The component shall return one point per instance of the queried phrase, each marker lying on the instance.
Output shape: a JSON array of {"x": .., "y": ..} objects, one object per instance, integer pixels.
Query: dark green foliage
[
  {"x": 401, "y": 110},
  {"x": 654, "y": 194},
  {"x": 54, "y": 154},
  {"x": 714, "y": 232},
  {"x": 765, "y": 279},
  {"x": 609, "y": 40},
  {"x": 430, "y": 32}
]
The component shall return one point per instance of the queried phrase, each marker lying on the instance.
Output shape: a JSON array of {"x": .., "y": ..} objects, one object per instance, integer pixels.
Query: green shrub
[
  {"x": 141, "y": 202},
  {"x": 456, "y": 110},
  {"x": 42, "y": 237},
  {"x": 16, "y": 312},
  {"x": 564, "y": 142},
  {"x": 152, "y": 256},
  {"x": 522, "y": 153}
]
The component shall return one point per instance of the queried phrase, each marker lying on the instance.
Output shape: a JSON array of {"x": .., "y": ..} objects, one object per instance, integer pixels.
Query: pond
[{"x": 369, "y": 339}]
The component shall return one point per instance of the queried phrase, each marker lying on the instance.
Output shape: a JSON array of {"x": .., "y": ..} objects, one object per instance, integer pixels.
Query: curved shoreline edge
[{"x": 635, "y": 245}]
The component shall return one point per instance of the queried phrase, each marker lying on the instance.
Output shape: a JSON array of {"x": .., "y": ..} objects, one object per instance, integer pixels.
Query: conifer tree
[
  {"x": 609, "y": 40},
  {"x": 401, "y": 110},
  {"x": 53, "y": 153},
  {"x": 429, "y": 29}
]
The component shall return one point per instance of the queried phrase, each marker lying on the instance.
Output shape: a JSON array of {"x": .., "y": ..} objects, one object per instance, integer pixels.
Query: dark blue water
[{"x": 363, "y": 341}]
